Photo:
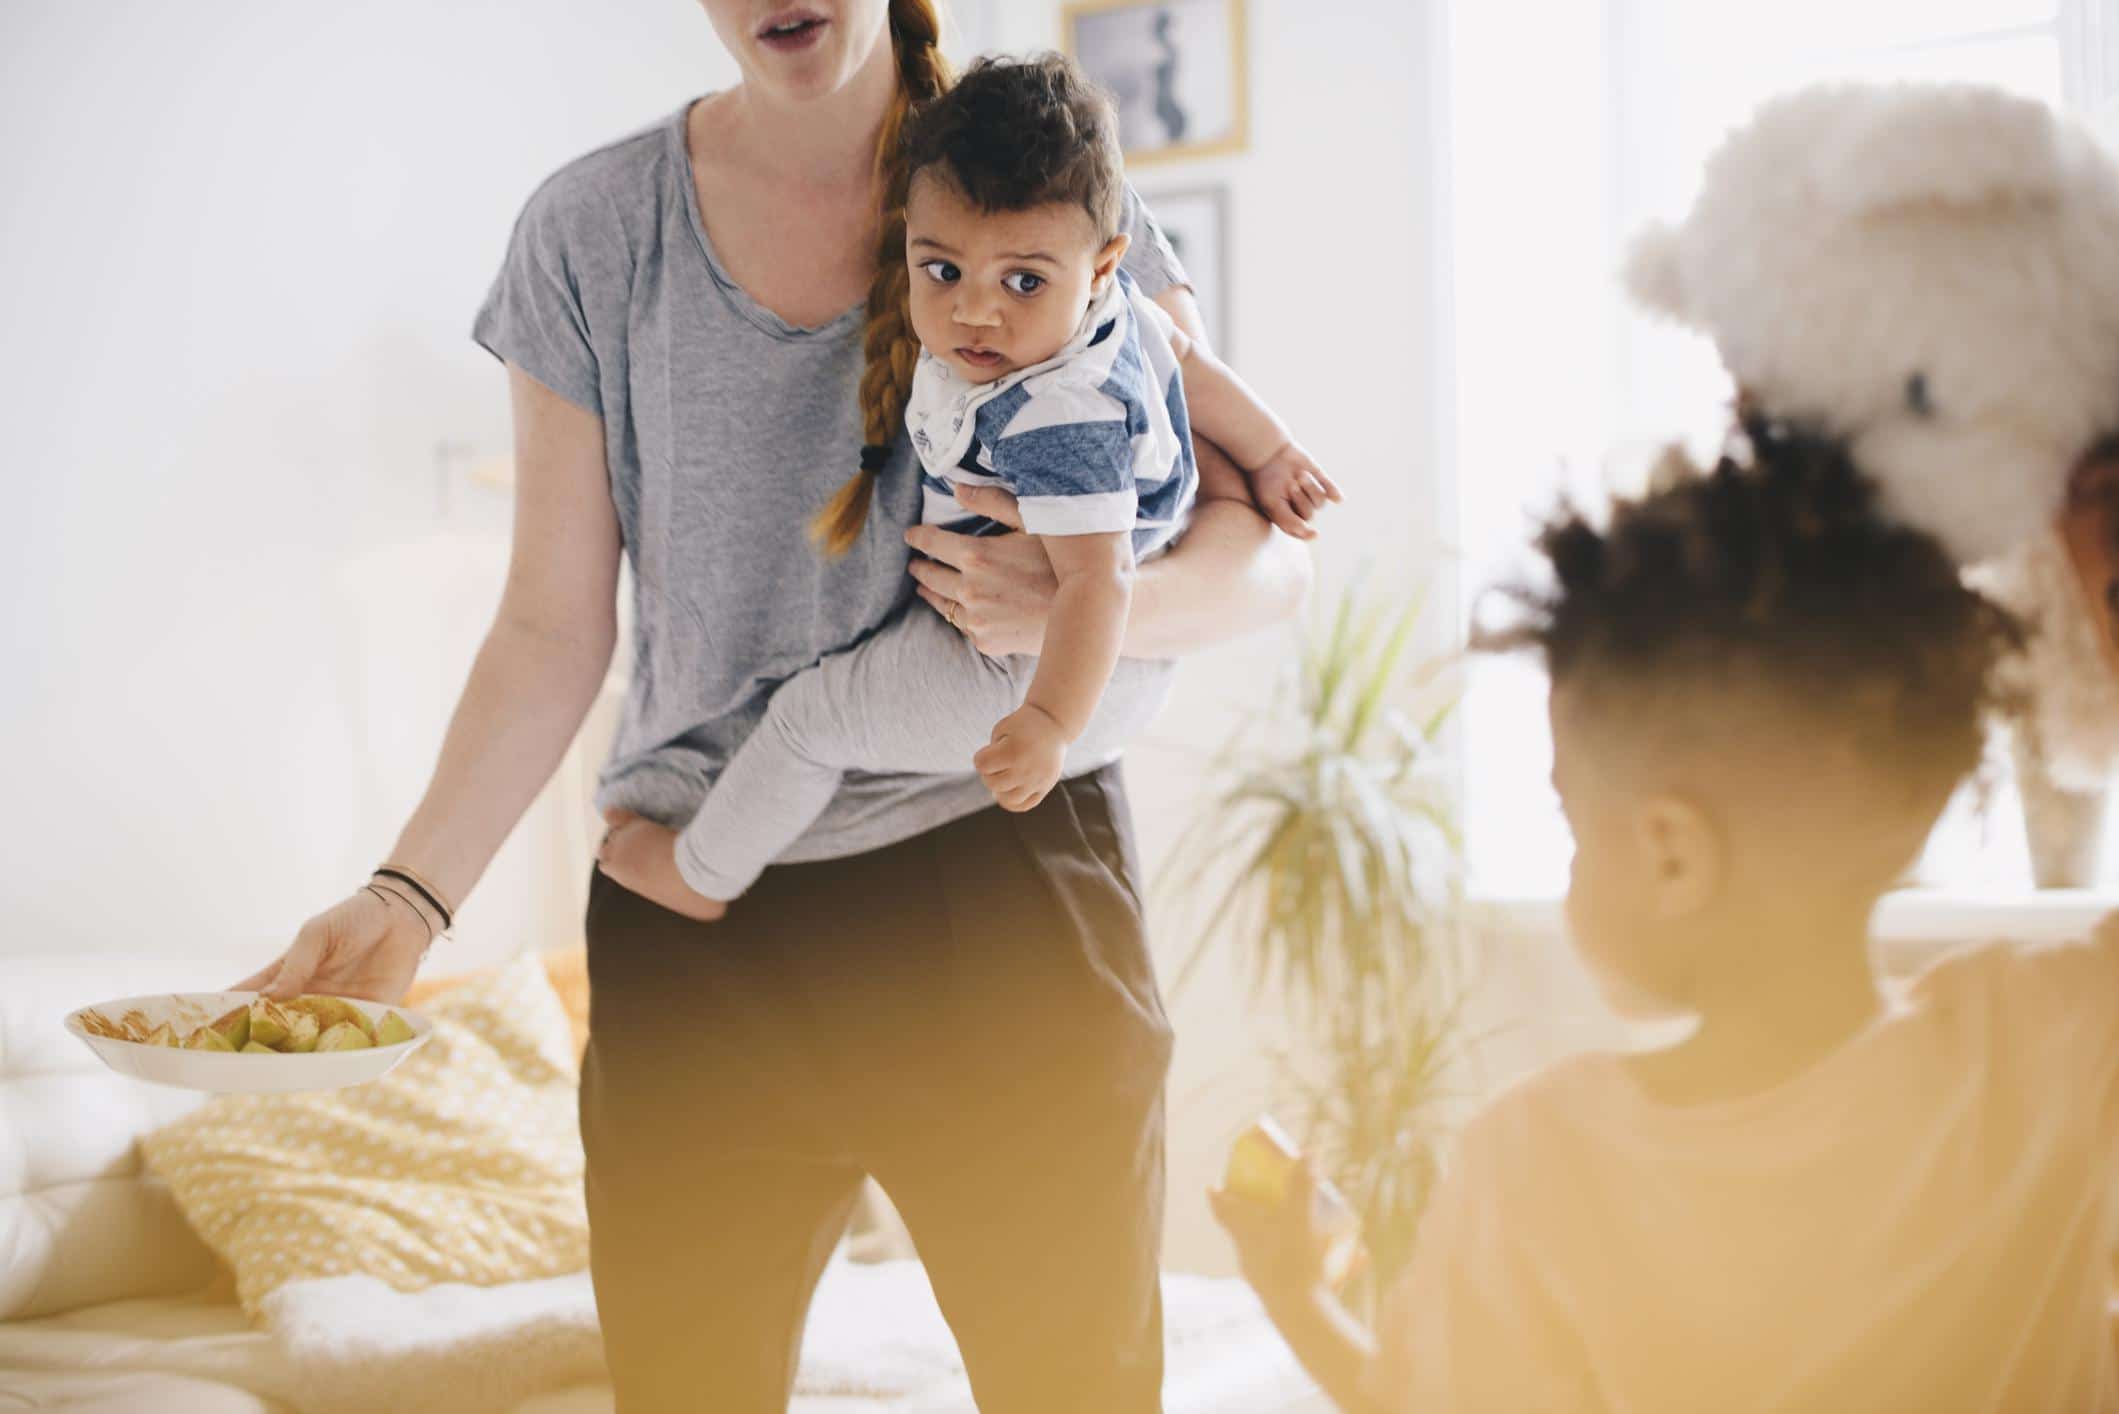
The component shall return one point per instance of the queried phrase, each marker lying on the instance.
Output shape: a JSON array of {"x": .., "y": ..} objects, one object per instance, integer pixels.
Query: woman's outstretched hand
[
  {"x": 642, "y": 855},
  {"x": 996, "y": 590},
  {"x": 362, "y": 946}
]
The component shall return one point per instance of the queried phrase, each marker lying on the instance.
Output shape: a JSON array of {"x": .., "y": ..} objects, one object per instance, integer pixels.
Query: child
[
  {"x": 1043, "y": 370},
  {"x": 1824, "y": 1198}
]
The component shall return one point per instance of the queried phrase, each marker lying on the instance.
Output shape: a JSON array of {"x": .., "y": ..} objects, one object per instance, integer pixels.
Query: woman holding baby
[{"x": 706, "y": 329}]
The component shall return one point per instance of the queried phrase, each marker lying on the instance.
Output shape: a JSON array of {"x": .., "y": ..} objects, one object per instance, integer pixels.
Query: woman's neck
[{"x": 821, "y": 144}]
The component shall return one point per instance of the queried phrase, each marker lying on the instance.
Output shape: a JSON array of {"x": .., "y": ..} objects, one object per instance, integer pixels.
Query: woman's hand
[
  {"x": 996, "y": 590},
  {"x": 642, "y": 855},
  {"x": 363, "y": 946}
]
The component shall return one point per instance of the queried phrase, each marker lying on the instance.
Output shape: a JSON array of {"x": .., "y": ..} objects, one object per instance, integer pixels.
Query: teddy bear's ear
[
  {"x": 1951, "y": 145},
  {"x": 1652, "y": 273}
]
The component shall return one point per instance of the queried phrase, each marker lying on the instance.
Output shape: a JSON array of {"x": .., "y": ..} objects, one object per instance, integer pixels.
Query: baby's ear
[
  {"x": 1652, "y": 273},
  {"x": 1113, "y": 252}
]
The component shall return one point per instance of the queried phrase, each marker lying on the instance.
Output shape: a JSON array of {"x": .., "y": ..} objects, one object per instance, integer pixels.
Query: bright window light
[{"x": 1566, "y": 136}]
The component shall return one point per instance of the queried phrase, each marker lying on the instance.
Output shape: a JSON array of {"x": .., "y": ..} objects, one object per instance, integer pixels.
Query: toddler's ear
[{"x": 1683, "y": 853}]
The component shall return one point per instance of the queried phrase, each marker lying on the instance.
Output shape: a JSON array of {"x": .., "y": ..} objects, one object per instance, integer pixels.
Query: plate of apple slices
[{"x": 248, "y": 1043}]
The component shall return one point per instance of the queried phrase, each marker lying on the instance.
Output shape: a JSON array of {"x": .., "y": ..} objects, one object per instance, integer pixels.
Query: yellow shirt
[{"x": 1925, "y": 1220}]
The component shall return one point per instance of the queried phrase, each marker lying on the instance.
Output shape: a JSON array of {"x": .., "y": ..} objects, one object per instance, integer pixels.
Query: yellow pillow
[{"x": 463, "y": 1164}]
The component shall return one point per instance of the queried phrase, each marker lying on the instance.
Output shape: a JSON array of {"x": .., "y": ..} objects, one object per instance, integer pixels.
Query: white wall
[{"x": 245, "y": 244}]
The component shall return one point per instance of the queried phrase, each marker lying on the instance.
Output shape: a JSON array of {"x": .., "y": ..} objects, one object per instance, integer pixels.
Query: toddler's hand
[
  {"x": 1291, "y": 489},
  {"x": 1281, "y": 1248},
  {"x": 642, "y": 855},
  {"x": 1022, "y": 762}
]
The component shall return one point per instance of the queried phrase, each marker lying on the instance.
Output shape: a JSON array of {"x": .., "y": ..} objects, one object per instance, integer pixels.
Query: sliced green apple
[
  {"x": 205, "y": 1038},
  {"x": 343, "y": 1036},
  {"x": 302, "y": 1033},
  {"x": 268, "y": 1024}
]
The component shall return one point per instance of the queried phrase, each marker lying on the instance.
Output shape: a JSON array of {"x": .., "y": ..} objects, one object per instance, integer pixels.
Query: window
[{"x": 1564, "y": 138}]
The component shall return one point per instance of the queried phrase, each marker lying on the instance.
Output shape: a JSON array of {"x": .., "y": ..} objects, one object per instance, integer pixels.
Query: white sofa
[{"x": 108, "y": 1300}]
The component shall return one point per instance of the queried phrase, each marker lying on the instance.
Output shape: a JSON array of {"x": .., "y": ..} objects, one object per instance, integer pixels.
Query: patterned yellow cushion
[{"x": 463, "y": 1164}]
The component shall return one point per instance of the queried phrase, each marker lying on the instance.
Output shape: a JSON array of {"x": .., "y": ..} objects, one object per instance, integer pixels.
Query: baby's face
[{"x": 994, "y": 291}]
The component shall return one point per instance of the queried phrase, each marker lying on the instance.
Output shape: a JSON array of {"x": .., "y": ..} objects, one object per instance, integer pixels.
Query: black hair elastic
[
  {"x": 423, "y": 891},
  {"x": 873, "y": 456}
]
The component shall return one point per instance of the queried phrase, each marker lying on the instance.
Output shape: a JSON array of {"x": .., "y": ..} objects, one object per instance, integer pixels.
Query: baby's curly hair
[
  {"x": 1018, "y": 133},
  {"x": 1775, "y": 568}
]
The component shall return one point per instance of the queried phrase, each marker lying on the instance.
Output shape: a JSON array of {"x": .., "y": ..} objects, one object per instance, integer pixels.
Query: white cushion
[{"x": 80, "y": 1220}]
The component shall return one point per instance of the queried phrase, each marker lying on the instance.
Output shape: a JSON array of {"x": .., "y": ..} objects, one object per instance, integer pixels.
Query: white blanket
[{"x": 355, "y": 1345}]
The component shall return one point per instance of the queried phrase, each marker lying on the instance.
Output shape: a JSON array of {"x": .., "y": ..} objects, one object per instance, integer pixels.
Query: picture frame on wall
[
  {"x": 1195, "y": 220},
  {"x": 1175, "y": 70}
]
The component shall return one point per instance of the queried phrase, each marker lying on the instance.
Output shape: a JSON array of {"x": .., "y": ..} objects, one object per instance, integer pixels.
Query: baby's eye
[
  {"x": 941, "y": 271},
  {"x": 1031, "y": 282}
]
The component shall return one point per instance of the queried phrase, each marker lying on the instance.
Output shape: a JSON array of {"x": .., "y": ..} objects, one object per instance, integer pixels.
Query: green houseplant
[{"x": 1328, "y": 854}]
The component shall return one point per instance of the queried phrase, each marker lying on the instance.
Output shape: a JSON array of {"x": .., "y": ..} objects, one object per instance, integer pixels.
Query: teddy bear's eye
[{"x": 1917, "y": 397}]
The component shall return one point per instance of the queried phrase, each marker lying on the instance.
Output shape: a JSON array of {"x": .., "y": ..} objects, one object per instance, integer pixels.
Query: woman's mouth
[
  {"x": 979, "y": 357},
  {"x": 793, "y": 32}
]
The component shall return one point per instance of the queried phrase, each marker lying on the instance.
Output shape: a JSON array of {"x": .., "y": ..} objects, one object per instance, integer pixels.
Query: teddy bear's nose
[{"x": 1917, "y": 396}]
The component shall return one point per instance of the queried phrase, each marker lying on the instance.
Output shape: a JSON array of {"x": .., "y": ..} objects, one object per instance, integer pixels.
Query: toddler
[
  {"x": 1827, "y": 1196},
  {"x": 1043, "y": 371}
]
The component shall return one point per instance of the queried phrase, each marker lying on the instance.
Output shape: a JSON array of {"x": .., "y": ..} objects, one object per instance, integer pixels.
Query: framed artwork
[
  {"x": 1173, "y": 68},
  {"x": 1196, "y": 222}
]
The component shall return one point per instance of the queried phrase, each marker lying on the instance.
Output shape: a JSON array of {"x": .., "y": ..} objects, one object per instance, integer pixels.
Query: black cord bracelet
[
  {"x": 421, "y": 889},
  {"x": 391, "y": 893}
]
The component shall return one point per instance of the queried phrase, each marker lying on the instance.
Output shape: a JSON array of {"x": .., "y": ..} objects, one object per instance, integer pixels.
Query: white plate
[{"x": 232, "y": 1072}]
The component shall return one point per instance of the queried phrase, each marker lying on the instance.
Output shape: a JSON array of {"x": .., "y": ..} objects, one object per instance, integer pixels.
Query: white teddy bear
[{"x": 1929, "y": 272}]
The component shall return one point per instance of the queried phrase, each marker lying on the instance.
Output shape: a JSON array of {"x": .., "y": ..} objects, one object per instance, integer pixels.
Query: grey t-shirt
[{"x": 725, "y": 428}]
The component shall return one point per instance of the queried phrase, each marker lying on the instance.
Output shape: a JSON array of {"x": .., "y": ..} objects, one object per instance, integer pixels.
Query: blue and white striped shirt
[{"x": 1093, "y": 439}]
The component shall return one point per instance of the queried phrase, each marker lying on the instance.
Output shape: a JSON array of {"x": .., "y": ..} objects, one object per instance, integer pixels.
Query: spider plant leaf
[{"x": 1381, "y": 670}]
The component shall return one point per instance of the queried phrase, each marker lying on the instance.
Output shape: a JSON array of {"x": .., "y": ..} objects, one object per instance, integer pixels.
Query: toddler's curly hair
[{"x": 1775, "y": 567}]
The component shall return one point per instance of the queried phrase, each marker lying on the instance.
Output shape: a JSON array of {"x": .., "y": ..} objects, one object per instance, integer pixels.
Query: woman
[{"x": 682, "y": 315}]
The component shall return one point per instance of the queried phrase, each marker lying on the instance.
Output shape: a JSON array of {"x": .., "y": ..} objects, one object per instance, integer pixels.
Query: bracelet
[
  {"x": 431, "y": 895},
  {"x": 386, "y": 894}
]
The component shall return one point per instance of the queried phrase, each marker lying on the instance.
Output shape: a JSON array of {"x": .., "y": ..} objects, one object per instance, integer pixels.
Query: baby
[
  {"x": 1043, "y": 371},
  {"x": 1826, "y": 1196}
]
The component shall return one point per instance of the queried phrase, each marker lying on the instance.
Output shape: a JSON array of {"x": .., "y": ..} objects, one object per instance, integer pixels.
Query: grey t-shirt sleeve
[
  {"x": 1149, "y": 258},
  {"x": 533, "y": 316}
]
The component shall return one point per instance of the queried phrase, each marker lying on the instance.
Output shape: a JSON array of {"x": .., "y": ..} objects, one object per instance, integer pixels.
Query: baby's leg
[{"x": 916, "y": 697}]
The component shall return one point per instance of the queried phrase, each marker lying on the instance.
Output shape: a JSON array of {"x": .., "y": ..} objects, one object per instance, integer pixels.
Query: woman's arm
[
  {"x": 1229, "y": 573},
  {"x": 530, "y": 687},
  {"x": 543, "y": 660}
]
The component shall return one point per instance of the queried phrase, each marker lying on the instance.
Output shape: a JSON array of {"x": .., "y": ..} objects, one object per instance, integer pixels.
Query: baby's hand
[
  {"x": 1291, "y": 489},
  {"x": 642, "y": 855},
  {"x": 1022, "y": 762}
]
